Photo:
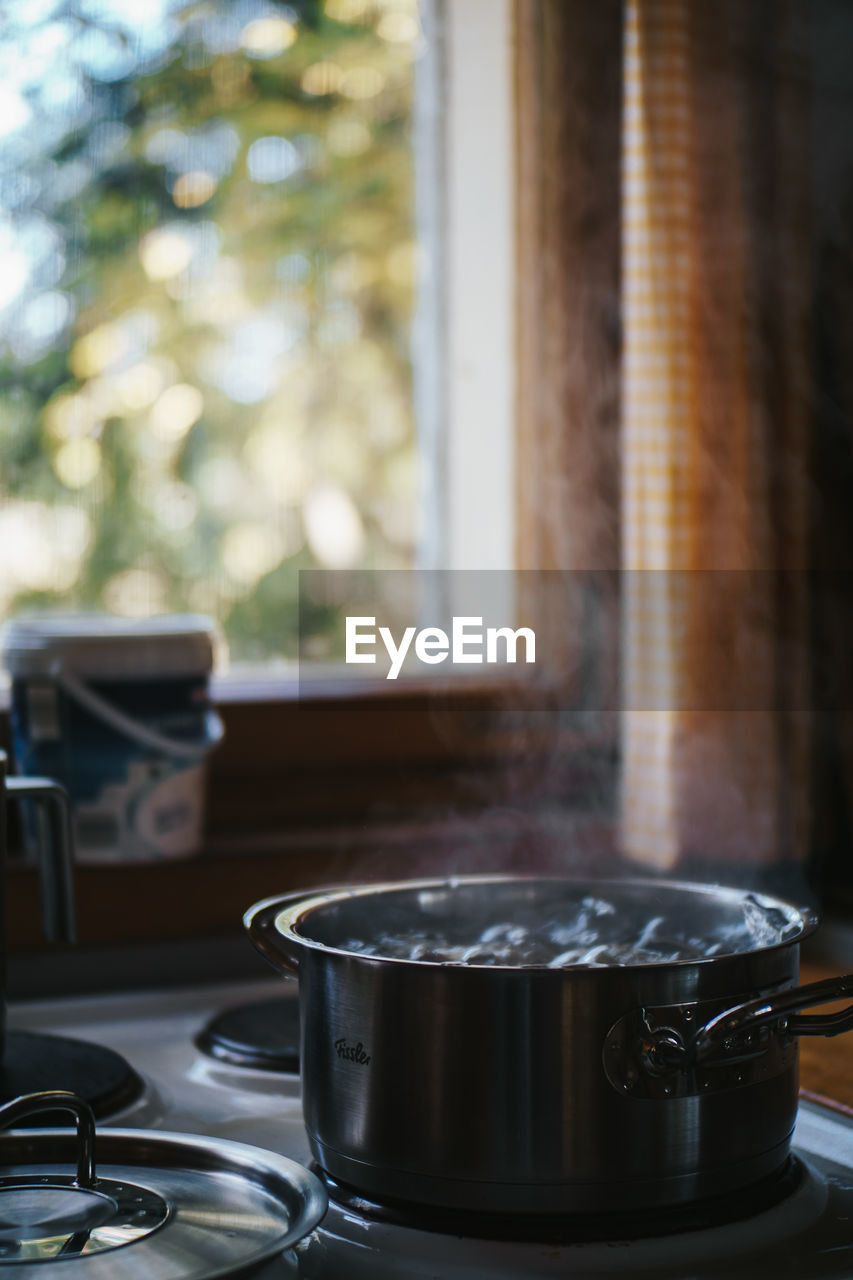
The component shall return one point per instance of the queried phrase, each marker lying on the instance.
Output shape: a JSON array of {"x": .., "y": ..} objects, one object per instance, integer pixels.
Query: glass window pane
[{"x": 207, "y": 268}]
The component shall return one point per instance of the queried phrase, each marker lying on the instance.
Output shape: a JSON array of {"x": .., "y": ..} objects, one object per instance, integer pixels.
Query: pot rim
[{"x": 295, "y": 908}]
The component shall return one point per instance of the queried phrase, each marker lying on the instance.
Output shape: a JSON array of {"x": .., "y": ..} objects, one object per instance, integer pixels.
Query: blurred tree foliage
[{"x": 206, "y": 285}]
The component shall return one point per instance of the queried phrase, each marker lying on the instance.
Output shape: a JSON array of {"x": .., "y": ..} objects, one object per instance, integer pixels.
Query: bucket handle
[{"x": 136, "y": 731}]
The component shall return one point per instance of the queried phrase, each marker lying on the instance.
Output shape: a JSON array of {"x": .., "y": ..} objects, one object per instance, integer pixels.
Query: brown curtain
[
  {"x": 717, "y": 253},
  {"x": 568, "y": 93},
  {"x": 666, "y": 381},
  {"x": 568, "y": 100}
]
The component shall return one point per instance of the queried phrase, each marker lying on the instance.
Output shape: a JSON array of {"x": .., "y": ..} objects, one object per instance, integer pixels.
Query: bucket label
[{"x": 155, "y": 811}]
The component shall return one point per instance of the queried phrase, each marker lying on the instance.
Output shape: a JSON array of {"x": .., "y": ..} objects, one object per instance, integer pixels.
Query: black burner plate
[
  {"x": 33, "y": 1062},
  {"x": 264, "y": 1035},
  {"x": 568, "y": 1228}
]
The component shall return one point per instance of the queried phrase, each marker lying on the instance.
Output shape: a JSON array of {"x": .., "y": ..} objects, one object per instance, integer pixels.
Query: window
[{"x": 207, "y": 278}]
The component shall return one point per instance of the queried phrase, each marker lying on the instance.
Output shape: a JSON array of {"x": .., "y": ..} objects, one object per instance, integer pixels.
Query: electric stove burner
[
  {"x": 264, "y": 1035},
  {"x": 571, "y": 1229},
  {"x": 32, "y": 1062}
]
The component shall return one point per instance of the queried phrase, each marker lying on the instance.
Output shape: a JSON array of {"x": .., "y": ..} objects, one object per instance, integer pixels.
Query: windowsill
[{"x": 279, "y": 681}]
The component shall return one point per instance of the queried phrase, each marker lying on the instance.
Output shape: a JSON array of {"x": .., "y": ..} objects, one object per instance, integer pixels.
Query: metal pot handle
[
  {"x": 55, "y": 852},
  {"x": 777, "y": 1008},
  {"x": 259, "y": 922},
  {"x": 677, "y": 1050}
]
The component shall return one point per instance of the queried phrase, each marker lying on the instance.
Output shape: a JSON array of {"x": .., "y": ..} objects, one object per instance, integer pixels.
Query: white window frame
[{"x": 464, "y": 335}]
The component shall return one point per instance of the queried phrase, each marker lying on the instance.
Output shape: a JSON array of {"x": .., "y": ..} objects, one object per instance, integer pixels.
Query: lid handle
[{"x": 33, "y": 1104}]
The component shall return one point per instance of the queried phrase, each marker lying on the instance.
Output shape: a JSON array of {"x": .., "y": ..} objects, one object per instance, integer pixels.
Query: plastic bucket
[{"x": 118, "y": 711}]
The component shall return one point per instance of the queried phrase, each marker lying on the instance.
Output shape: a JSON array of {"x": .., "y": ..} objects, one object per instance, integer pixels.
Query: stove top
[
  {"x": 807, "y": 1233},
  {"x": 263, "y": 1033},
  {"x": 33, "y": 1062}
]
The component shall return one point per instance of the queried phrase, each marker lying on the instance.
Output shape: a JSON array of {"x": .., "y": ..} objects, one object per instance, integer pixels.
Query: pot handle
[
  {"x": 778, "y": 1008},
  {"x": 55, "y": 852},
  {"x": 259, "y": 922}
]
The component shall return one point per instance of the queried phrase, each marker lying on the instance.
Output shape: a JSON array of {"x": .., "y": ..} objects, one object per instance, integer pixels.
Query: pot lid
[{"x": 166, "y": 1206}]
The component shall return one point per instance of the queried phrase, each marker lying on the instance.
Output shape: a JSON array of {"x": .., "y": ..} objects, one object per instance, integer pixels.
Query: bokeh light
[
  {"x": 139, "y": 386},
  {"x": 348, "y": 136},
  {"x": 193, "y": 189},
  {"x": 333, "y": 527},
  {"x": 165, "y": 253},
  {"x": 98, "y": 350},
  {"x": 399, "y": 26},
  {"x": 361, "y": 83},
  {"x": 250, "y": 550},
  {"x": 43, "y": 546},
  {"x": 272, "y": 160},
  {"x": 348, "y": 10},
  {"x": 136, "y": 593},
  {"x": 321, "y": 78},
  {"x": 176, "y": 411},
  {"x": 267, "y": 37},
  {"x": 77, "y": 462}
]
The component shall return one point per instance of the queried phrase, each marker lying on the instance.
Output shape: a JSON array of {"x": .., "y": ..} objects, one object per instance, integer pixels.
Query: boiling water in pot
[{"x": 593, "y": 935}]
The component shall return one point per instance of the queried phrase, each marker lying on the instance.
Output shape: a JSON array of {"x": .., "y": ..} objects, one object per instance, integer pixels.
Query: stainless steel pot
[{"x": 530, "y": 1089}]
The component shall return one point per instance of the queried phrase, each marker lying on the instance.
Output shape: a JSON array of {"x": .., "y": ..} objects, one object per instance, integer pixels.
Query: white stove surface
[{"x": 808, "y": 1235}]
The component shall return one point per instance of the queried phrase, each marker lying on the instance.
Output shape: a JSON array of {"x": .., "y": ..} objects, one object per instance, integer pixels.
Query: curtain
[
  {"x": 715, "y": 432},
  {"x": 568, "y": 82},
  {"x": 568, "y": 95}
]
